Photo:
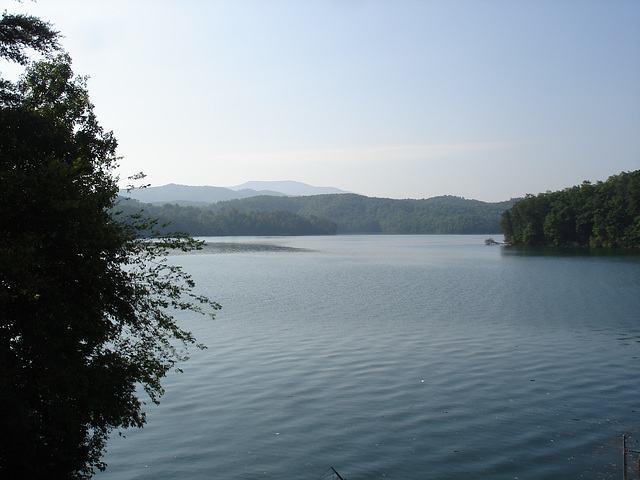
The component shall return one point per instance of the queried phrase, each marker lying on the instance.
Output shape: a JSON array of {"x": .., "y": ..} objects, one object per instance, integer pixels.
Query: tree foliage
[
  {"x": 20, "y": 33},
  {"x": 605, "y": 214},
  {"x": 85, "y": 302}
]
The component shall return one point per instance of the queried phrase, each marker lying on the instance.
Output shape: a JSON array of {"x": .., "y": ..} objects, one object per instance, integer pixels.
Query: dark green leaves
[
  {"x": 19, "y": 33},
  {"x": 606, "y": 214}
]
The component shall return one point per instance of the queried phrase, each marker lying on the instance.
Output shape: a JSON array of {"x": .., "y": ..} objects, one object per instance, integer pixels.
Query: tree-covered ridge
[
  {"x": 231, "y": 222},
  {"x": 604, "y": 214},
  {"x": 330, "y": 214},
  {"x": 360, "y": 214}
]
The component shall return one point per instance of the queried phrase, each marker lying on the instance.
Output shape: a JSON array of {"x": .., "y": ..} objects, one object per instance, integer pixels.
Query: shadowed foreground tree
[{"x": 85, "y": 303}]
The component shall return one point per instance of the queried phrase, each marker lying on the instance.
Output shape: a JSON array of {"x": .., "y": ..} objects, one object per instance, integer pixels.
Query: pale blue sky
[{"x": 484, "y": 99}]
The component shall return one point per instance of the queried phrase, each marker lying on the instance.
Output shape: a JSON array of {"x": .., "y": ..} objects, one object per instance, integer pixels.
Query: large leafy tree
[{"x": 85, "y": 301}]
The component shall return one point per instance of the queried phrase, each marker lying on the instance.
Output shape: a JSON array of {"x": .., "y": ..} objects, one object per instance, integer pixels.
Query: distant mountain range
[
  {"x": 294, "y": 208},
  {"x": 288, "y": 188},
  {"x": 204, "y": 195}
]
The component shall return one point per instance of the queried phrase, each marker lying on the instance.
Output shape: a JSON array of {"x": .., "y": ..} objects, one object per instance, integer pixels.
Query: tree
[
  {"x": 19, "y": 33},
  {"x": 86, "y": 302}
]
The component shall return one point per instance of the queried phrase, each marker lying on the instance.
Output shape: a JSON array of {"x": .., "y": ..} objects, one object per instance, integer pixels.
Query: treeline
[
  {"x": 360, "y": 214},
  {"x": 329, "y": 214},
  {"x": 605, "y": 214},
  {"x": 230, "y": 222}
]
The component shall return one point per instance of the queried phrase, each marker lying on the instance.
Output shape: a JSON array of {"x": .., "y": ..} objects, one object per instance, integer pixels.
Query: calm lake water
[{"x": 399, "y": 357}]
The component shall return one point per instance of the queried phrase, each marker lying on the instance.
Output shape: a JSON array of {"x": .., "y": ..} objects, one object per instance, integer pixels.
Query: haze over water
[{"x": 404, "y": 357}]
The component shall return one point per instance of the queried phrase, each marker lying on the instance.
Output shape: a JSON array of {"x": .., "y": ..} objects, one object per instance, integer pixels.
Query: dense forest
[
  {"x": 359, "y": 214},
  {"x": 331, "y": 213},
  {"x": 604, "y": 214},
  {"x": 231, "y": 222}
]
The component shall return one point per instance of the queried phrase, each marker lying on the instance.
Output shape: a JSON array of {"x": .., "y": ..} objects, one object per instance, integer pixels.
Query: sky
[{"x": 483, "y": 99}]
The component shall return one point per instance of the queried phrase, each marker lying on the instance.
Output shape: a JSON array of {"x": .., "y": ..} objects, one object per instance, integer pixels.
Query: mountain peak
[
  {"x": 194, "y": 195},
  {"x": 287, "y": 187}
]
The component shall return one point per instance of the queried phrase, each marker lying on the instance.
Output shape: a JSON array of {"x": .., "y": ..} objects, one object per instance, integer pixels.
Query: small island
[{"x": 491, "y": 241}]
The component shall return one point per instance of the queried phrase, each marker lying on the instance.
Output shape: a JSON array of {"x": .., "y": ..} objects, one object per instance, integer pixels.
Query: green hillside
[
  {"x": 359, "y": 214},
  {"x": 604, "y": 214},
  {"x": 198, "y": 221},
  {"x": 333, "y": 213}
]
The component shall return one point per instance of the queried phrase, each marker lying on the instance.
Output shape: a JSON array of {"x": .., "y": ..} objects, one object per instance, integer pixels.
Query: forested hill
[
  {"x": 605, "y": 214},
  {"x": 348, "y": 213},
  {"x": 197, "y": 221},
  {"x": 360, "y": 214}
]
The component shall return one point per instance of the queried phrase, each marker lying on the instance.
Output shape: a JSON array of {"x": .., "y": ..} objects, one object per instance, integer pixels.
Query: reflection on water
[
  {"x": 626, "y": 254},
  {"x": 213, "y": 245},
  {"x": 236, "y": 247},
  {"x": 408, "y": 357}
]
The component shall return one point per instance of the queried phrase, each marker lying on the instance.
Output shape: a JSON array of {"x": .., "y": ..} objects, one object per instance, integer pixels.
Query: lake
[{"x": 398, "y": 357}]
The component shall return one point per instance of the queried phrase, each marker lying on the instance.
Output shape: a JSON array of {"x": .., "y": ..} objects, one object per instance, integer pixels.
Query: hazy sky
[{"x": 391, "y": 98}]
